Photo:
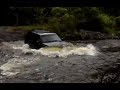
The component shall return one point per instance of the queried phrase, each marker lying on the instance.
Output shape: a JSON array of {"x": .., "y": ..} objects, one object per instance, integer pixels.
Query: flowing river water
[{"x": 77, "y": 63}]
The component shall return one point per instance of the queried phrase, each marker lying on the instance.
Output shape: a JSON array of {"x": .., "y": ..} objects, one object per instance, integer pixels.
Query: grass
[{"x": 31, "y": 27}]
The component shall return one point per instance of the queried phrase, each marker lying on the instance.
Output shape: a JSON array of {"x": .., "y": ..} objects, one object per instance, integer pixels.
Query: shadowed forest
[{"x": 68, "y": 22}]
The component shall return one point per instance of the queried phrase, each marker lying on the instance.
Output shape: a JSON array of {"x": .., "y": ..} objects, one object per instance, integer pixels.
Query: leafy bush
[{"x": 66, "y": 21}]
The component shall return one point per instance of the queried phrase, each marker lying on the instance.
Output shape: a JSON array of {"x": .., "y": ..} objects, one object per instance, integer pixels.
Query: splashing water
[
  {"x": 16, "y": 65},
  {"x": 10, "y": 68},
  {"x": 61, "y": 51}
]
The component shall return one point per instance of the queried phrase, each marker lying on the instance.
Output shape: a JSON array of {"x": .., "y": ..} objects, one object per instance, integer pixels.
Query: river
[{"x": 77, "y": 64}]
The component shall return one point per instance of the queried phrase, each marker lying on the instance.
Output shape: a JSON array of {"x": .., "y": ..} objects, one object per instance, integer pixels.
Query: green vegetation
[{"x": 66, "y": 21}]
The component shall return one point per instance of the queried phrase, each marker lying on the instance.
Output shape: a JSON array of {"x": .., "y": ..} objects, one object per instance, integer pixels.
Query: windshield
[{"x": 50, "y": 38}]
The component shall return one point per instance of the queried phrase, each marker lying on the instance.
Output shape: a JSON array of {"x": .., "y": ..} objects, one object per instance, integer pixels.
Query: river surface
[{"x": 75, "y": 64}]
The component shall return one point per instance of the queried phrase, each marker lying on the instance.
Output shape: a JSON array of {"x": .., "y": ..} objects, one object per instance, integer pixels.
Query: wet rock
[
  {"x": 28, "y": 53},
  {"x": 46, "y": 77}
]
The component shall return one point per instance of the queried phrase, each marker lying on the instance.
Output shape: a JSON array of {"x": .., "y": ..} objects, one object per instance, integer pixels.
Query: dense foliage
[{"x": 66, "y": 20}]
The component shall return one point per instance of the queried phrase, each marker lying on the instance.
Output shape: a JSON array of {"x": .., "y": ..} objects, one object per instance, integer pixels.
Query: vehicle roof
[
  {"x": 46, "y": 33},
  {"x": 42, "y": 32},
  {"x": 39, "y": 31}
]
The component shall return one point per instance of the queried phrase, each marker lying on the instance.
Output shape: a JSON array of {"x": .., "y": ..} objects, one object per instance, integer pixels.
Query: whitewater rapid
[
  {"x": 18, "y": 64},
  {"x": 61, "y": 51}
]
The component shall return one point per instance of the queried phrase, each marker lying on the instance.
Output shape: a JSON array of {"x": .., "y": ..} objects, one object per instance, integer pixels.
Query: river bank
[{"x": 8, "y": 33}]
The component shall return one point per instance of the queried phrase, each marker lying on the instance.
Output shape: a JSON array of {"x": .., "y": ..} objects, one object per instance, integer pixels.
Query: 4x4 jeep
[{"x": 41, "y": 38}]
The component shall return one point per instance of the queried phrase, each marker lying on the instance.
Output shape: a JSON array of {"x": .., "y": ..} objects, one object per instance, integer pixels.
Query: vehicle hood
[{"x": 57, "y": 44}]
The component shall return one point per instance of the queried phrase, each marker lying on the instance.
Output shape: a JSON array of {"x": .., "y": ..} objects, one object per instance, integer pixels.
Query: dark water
[{"x": 80, "y": 63}]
